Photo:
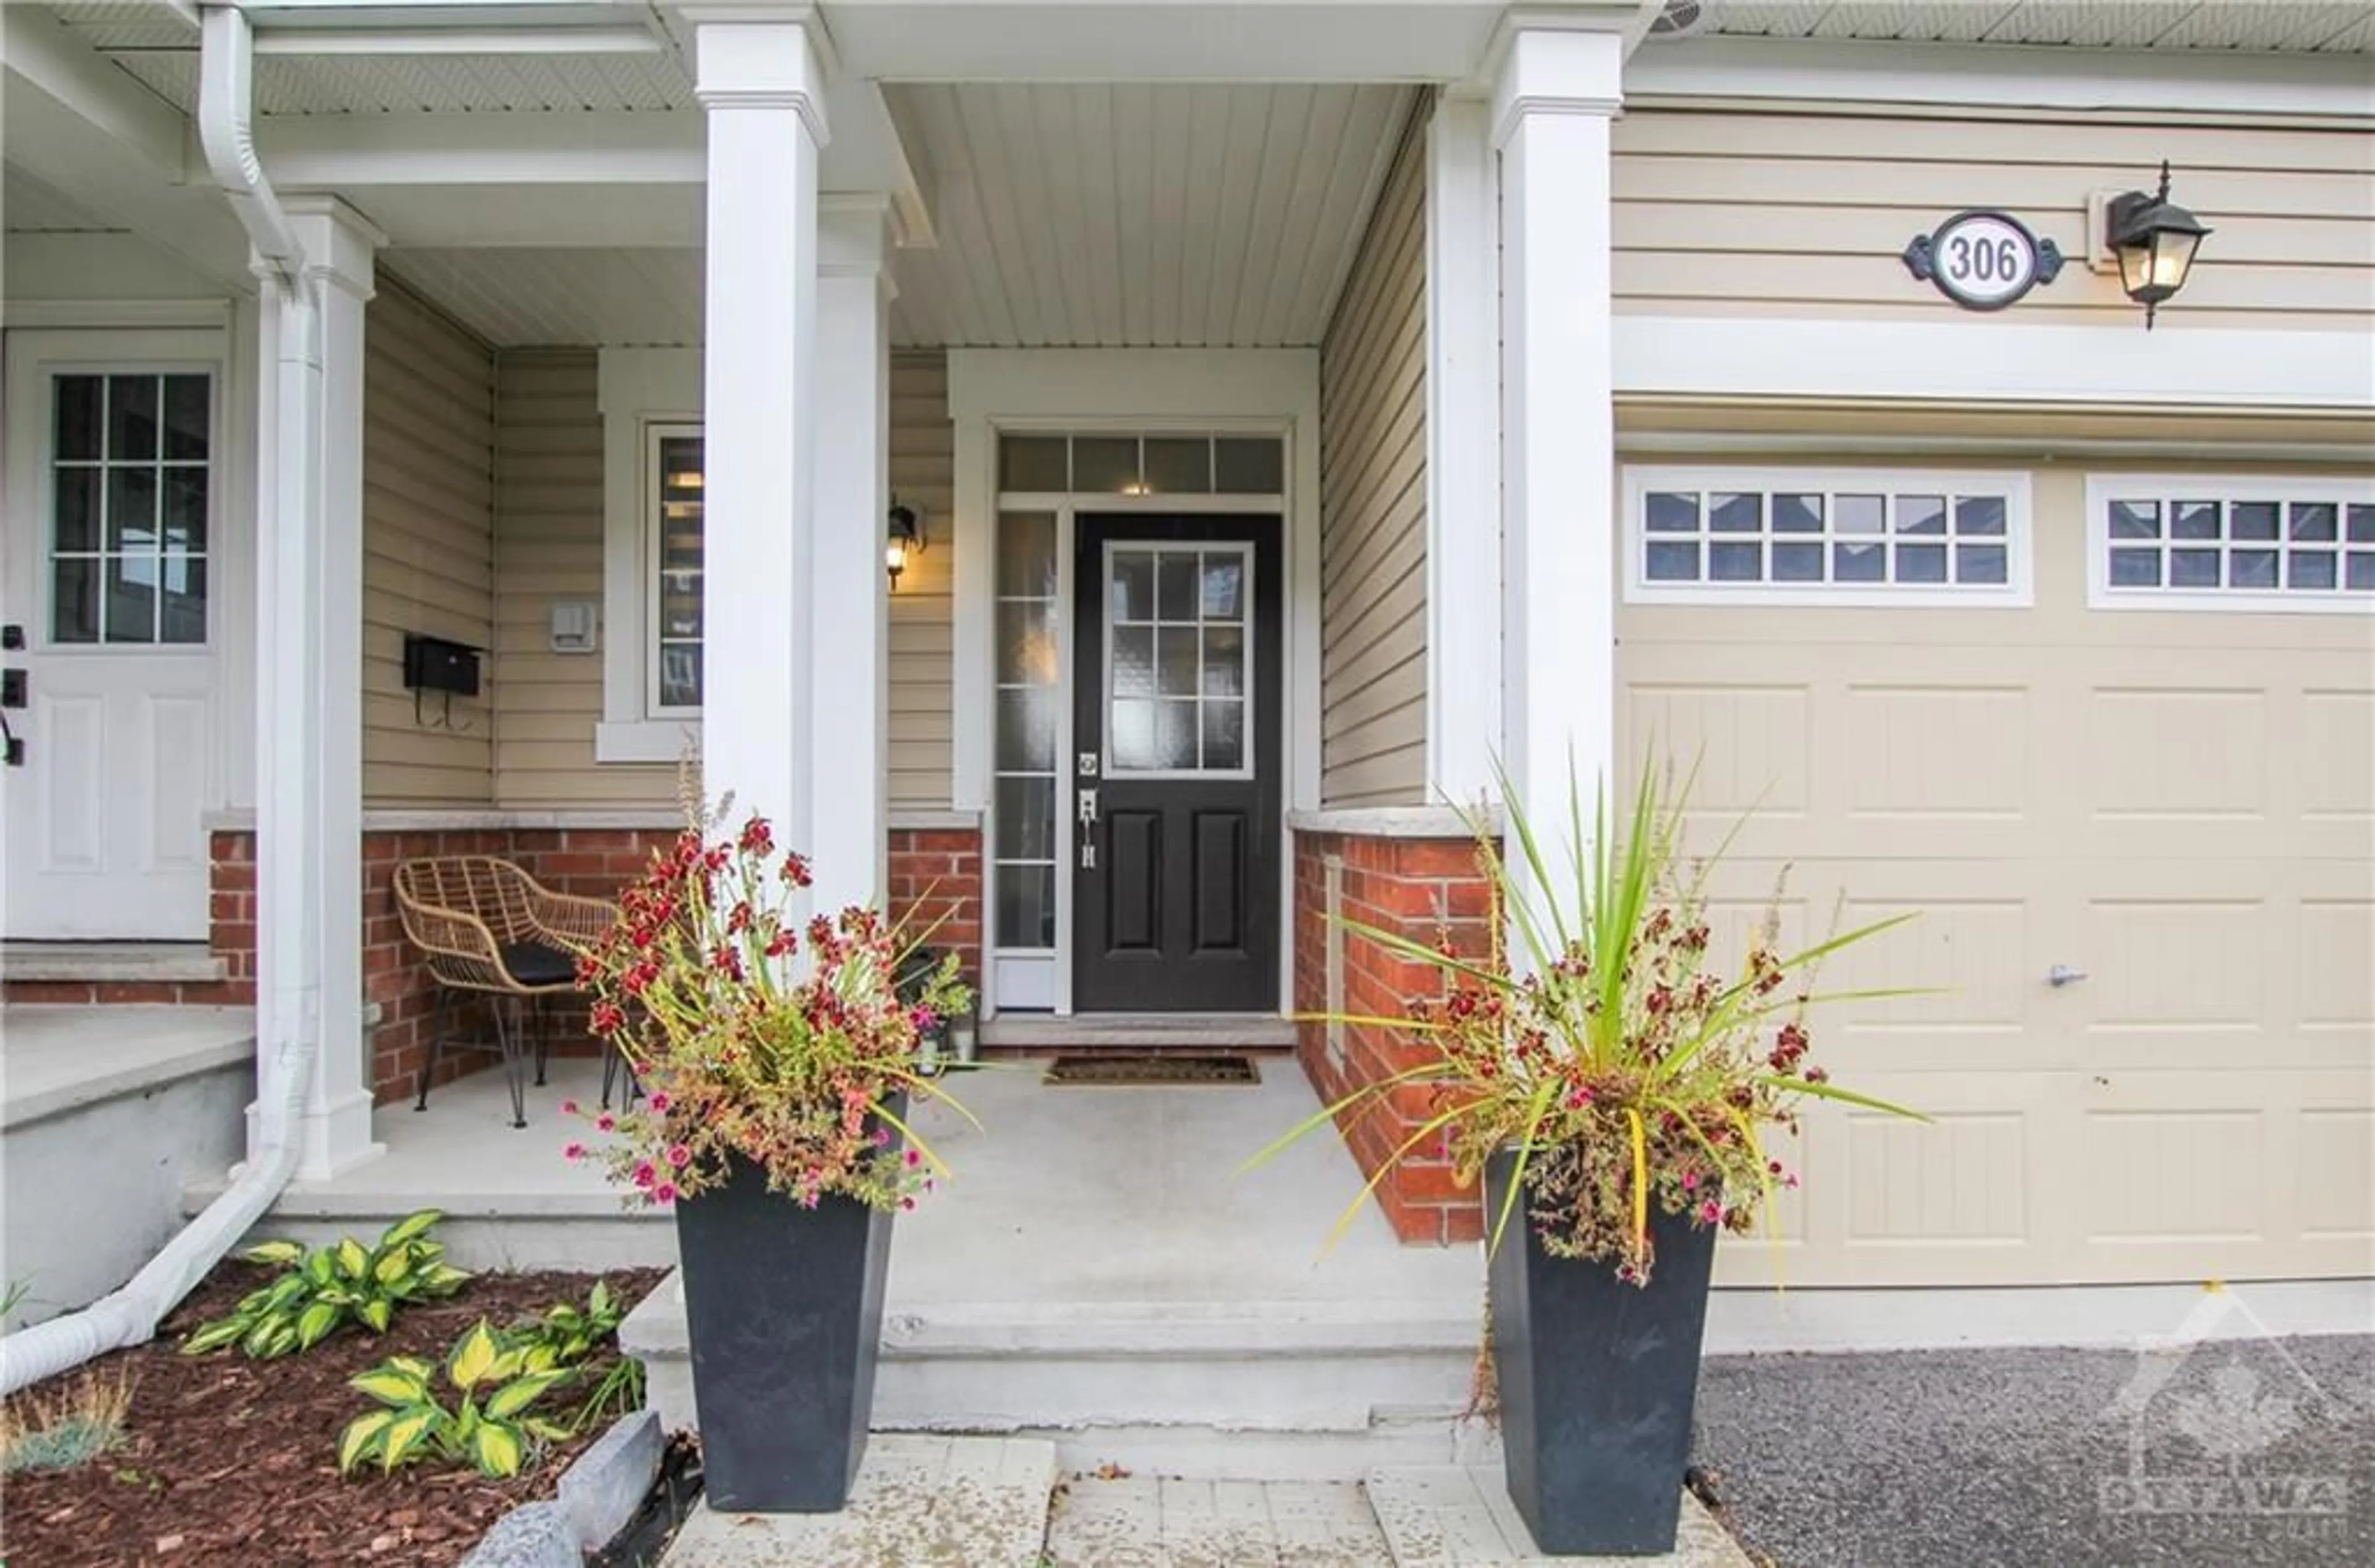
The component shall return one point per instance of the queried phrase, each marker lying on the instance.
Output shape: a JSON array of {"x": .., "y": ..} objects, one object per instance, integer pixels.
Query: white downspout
[{"x": 130, "y": 1315}]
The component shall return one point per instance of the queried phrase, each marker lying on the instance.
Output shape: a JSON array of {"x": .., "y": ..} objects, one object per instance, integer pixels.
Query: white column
[
  {"x": 1463, "y": 455},
  {"x": 849, "y": 678},
  {"x": 1552, "y": 106},
  {"x": 309, "y": 722},
  {"x": 762, "y": 87}
]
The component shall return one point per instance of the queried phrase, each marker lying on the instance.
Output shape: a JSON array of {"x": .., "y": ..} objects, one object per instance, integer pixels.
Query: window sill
[{"x": 646, "y": 740}]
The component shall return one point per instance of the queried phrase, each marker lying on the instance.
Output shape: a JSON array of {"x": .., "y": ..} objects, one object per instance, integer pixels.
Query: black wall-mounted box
[{"x": 436, "y": 663}]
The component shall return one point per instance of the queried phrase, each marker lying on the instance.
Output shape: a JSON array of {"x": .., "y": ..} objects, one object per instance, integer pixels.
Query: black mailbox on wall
[{"x": 437, "y": 664}]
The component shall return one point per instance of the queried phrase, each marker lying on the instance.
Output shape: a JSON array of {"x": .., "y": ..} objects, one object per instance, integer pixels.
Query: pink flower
[
  {"x": 882, "y": 1138},
  {"x": 679, "y": 1156},
  {"x": 575, "y": 1152},
  {"x": 1690, "y": 1181},
  {"x": 664, "y": 1193},
  {"x": 907, "y": 1203},
  {"x": 605, "y": 1123},
  {"x": 569, "y": 1107},
  {"x": 645, "y": 1174},
  {"x": 660, "y": 1100},
  {"x": 1710, "y": 1211},
  {"x": 914, "y": 1158}
]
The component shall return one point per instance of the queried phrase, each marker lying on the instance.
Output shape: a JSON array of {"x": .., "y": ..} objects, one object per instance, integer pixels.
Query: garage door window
[
  {"x": 1826, "y": 536},
  {"x": 2195, "y": 543}
]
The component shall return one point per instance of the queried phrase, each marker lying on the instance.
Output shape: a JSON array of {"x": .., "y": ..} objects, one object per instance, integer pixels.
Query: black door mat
[{"x": 1166, "y": 1069}]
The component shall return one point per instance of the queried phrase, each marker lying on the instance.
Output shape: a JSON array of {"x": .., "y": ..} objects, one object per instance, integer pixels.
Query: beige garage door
[{"x": 2146, "y": 760}]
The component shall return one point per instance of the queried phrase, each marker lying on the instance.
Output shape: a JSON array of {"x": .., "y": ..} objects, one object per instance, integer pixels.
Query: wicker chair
[{"x": 487, "y": 929}]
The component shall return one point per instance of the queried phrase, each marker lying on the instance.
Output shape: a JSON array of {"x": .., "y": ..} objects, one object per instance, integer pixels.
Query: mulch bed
[{"x": 230, "y": 1461}]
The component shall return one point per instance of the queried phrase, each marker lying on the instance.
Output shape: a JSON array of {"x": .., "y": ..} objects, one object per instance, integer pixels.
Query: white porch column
[
  {"x": 1556, "y": 93},
  {"x": 849, "y": 678},
  {"x": 309, "y": 721},
  {"x": 1463, "y": 455},
  {"x": 762, "y": 87}
]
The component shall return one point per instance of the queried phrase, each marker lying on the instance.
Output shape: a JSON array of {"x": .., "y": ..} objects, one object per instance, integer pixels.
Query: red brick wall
[
  {"x": 1424, "y": 891},
  {"x": 934, "y": 874}
]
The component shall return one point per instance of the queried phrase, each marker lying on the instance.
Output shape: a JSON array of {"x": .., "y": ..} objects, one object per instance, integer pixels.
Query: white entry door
[{"x": 109, "y": 580}]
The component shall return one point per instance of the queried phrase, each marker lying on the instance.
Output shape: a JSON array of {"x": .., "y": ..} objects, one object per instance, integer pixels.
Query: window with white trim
[
  {"x": 652, "y": 554},
  {"x": 2190, "y": 541},
  {"x": 673, "y": 487},
  {"x": 1820, "y": 536}
]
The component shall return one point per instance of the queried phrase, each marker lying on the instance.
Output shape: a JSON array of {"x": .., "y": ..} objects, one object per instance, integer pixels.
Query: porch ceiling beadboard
[
  {"x": 2129, "y": 24},
  {"x": 1151, "y": 216},
  {"x": 556, "y": 296}
]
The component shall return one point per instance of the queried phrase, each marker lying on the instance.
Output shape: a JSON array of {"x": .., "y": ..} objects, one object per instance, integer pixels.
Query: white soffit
[
  {"x": 2236, "y": 24},
  {"x": 30, "y": 206},
  {"x": 1144, "y": 215}
]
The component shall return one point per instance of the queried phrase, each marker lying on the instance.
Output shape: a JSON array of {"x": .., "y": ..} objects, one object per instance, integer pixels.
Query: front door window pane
[
  {"x": 1029, "y": 680},
  {"x": 1177, "y": 659},
  {"x": 128, "y": 522}
]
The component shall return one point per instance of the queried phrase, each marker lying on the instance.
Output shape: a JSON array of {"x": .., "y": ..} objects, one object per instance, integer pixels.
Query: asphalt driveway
[{"x": 2247, "y": 1452}]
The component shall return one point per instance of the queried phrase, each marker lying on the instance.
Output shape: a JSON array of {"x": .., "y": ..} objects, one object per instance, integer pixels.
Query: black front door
[{"x": 1175, "y": 735}]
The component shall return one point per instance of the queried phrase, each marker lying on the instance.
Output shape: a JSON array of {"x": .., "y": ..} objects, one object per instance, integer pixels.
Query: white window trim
[
  {"x": 2017, "y": 591},
  {"x": 640, "y": 389},
  {"x": 2103, "y": 488}
]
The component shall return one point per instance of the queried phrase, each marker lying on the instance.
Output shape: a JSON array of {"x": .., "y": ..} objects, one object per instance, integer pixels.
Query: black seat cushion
[{"x": 538, "y": 964}]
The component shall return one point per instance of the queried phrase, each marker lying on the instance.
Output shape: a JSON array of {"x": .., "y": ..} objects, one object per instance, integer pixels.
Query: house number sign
[{"x": 1982, "y": 260}]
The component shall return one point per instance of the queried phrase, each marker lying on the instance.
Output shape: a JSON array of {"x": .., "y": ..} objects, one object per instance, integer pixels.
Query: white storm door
[{"x": 109, "y": 582}]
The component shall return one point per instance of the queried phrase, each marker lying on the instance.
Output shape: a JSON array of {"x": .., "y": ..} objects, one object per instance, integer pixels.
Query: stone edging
[{"x": 598, "y": 1495}]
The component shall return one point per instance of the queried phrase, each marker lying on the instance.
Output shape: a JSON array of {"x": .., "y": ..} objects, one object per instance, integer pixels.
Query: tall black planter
[
  {"x": 1597, "y": 1382},
  {"x": 783, "y": 1305}
]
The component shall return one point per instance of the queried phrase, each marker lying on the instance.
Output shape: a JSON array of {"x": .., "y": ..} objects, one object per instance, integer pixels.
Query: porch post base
[{"x": 332, "y": 1138}]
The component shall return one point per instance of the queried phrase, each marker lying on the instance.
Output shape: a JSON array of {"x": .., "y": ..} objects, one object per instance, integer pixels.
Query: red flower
[
  {"x": 608, "y": 1018},
  {"x": 757, "y": 837},
  {"x": 796, "y": 870}
]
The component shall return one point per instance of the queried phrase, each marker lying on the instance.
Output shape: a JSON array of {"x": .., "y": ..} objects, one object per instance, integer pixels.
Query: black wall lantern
[
  {"x": 2155, "y": 240},
  {"x": 906, "y": 538}
]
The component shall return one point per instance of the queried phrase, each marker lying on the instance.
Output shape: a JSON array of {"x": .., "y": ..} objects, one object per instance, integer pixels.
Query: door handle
[
  {"x": 1088, "y": 807},
  {"x": 12, "y": 689},
  {"x": 2061, "y": 974}
]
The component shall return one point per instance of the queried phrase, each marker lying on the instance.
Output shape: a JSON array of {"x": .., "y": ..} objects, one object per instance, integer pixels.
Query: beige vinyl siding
[
  {"x": 922, "y": 677},
  {"x": 1373, "y": 507},
  {"x": 549, "y": 506},
  {"x": 549, "y": 486},
  {"x": 1767, "y": 213},
  {"x": 428, "y": 547}
]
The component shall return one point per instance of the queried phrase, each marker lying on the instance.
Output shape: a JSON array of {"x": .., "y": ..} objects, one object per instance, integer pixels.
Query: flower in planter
[
  {"x": 761, "y": 1038},
  {"x": 1624, "y": 1068}
]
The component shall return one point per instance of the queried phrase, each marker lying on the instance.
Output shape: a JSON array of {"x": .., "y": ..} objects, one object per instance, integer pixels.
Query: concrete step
[
  {"x": 918, "y": 1501},
  {"x": 96, "y": 963},
  {"x": 1318, "y": 1390}
]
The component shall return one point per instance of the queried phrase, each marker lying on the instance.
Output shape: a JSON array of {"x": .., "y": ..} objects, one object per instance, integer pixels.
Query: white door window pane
[
  {"x": 1026, "y": 906},
  {"x": 128, "y": 515},
  {"x": 1673, "y": 562},
  {"x": 188, "y": 418},
  {"x": 1224, "y": 661},
  {"x": 77, "y": 509},
  {"x": 1225, "y": 582},
  {"x": 1131, "y": 596},
  {"x": 1177, "y": 584},
  {"x": 1034, "y": 463},
  {"x": 2310, "y": 569},
  {"x": 1026, "y": 555},
  {"x": 74, "y": 599},
  {"x": 1027, "y": 819},
  {"x": 77, "y": 422},
  {"x": 2135, "y": 569},
  {"x": 1133, "y": 661},
  {"x": 1921, "y": 514},
  {"x": 1225, "y": 737},
  {"x": 1250, "y": 465},
  {"x": 1026, "y": 730},
  {"x": 1178, "y": 467},
  {"x": 1105, "y": 465},
  {"x": 1979, "y": 514},
  {"x": 131, "y": 418},
  {"x": 2193, "y": 569},
  {"x": 1672, "y": 514},
  {"x": 1797, "y": 514},
  {"x": 1735, "y": 513}
]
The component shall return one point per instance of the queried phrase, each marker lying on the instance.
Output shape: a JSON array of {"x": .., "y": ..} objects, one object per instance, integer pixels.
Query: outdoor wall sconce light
[
  {"x": 906, "y": 538},
  {"x": 2155, "y": 241}
]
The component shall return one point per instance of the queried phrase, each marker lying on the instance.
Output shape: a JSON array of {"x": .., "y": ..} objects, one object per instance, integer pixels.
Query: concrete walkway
[{"x": 924, "y": 1501}]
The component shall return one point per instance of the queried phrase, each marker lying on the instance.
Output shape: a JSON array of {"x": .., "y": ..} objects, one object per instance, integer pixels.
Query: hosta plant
[
  {"x": 320, "y": 1290},
  {"x": 483, "y": 1416},
  {"x": 760, "y": 1036},
  {"x": 1624, "y": 1063},
  {"x": 565, "y": 1335}
]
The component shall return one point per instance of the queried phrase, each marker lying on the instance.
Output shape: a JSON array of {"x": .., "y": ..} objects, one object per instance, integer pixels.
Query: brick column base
[{"x": 1422, "y": 889}]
